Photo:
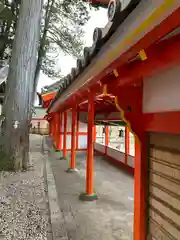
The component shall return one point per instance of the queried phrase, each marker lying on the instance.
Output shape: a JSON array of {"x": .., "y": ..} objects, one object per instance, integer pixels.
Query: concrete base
[
  {"x": 72, "y": 170},
  {"x": 88, "y": 198}
]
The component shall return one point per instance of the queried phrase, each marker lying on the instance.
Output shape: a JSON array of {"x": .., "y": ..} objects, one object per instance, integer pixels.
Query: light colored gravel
[{"x": 24, "y": 210}]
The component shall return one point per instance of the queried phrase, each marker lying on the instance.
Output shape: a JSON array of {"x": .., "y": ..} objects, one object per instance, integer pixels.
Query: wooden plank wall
[{"x": 164, "y": 187}]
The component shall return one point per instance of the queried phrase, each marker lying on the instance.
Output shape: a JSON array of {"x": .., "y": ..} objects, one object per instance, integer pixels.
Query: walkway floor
[{"x": 108, "y": 218}]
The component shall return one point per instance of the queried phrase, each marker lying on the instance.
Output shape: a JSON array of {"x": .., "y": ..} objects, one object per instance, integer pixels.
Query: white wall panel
[
  {"x": 99, "y": 147},
  {"x": 115, "y": 154},
  {"x": 130, "y": 161},
  {"x": 161, "y": 92},
  {"x": 82, "y": 142},
  {"x": 82, "y": 127},
  {"x": 68, "y": 142}
]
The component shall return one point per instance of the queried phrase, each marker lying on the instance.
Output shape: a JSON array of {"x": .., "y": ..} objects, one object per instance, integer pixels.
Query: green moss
[
  {"x": 6, "y": 162},
  {"x": 57, "y": 150}
]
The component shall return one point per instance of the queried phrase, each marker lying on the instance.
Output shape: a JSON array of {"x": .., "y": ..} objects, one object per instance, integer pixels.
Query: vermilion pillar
[
  {"x": 65, "y": 136},
  {"x": 94, "y": 133},
  {"x": 58, "y": 131},
  {"x": 50, "y": 128},
  {"x": 106, "y": 138},
  {"x": 140, "y": 189},
  {"x": 53, "y": 128},
  {"x": 56, "y": 128},
  {"x": 90, "y": 195},
  {"x": 127, "y": 142},
  {"x": 77, "y": 131},
  {"x": 73, "y": 142}
]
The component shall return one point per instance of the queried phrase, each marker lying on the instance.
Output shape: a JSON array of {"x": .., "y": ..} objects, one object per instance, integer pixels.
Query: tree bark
[{"x": 18, "y": 97}]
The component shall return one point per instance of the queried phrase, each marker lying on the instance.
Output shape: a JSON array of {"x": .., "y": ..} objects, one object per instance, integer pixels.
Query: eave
[
  {"x": 46, "y": 98},
  {"x": 156, "y": 21}
]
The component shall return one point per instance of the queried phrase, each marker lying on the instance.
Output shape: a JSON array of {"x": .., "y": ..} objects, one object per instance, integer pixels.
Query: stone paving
[
  {"x": 108, "y": 218},
  {"x": 24, "y": 212}
]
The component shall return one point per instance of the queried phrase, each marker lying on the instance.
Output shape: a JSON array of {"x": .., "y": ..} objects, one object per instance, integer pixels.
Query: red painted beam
[
  {"x": 168, "y": 25},
  {"x": 160, "y": 56},
  {"x": 165, "y": 122}
]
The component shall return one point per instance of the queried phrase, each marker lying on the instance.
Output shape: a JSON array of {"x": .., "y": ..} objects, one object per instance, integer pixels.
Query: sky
[{"x": 98, "y": 19}]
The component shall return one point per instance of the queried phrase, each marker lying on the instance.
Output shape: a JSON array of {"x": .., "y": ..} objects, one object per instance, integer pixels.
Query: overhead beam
[{"x": 161, "y": 16}]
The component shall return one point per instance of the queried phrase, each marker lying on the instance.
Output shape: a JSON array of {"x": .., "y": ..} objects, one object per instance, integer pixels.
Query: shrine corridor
[{"x": 111, "y": 216}]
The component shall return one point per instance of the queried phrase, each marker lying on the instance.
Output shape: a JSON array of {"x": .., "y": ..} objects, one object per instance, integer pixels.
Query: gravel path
[{"x": 24, "y": 212}]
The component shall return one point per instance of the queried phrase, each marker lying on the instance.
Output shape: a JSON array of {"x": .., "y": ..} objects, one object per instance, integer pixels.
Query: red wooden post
[
  {"x": 53, "y": 128},
  {"x": 65, "y": 136},
  {"x": 127, "y": 142},
  {"x": 58, "y": 130},
  {"x": 90, "y": 195},
  {"x": 106, "y": 138},
  {"x": 77, "y": 131},
  {"x": 95, "y": 133},
  {"x": 90, "y": 156},
  {"x": 140, "y": 190},
  {"x": 50, "y": 128},
  {"x": 56, "y": 120},
  {"x": 73, "y": 142}
]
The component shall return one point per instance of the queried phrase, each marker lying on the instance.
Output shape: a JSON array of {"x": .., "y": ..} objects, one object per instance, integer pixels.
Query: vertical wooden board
[
  {"x": 167, "y": 197},
  {"x": 165, "y": 182},
  {"x": 164, "y": 186}
]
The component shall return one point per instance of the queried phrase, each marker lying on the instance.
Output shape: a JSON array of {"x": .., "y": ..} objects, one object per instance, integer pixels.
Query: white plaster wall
[
  {"x": 115, "y": 154},
  {"x": 68, "y": 141},
  {"x": 161, "y": 92},
  {"x": 82, "y": 139},
  {"x": 82, "y": 142},
  {"x": 99, "y": 147},
  {"x": 82, "y": 127},
  {"x": 130, "y": 161}
]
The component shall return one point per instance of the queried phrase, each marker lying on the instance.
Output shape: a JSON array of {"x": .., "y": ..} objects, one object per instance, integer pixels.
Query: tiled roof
[
  {"x": 117, "y": 14},
  {"x": 51, "y": 88}
]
